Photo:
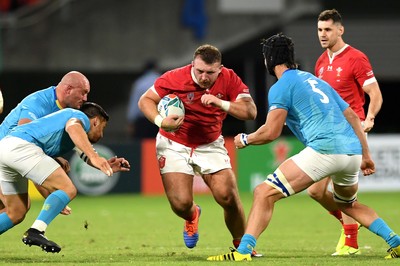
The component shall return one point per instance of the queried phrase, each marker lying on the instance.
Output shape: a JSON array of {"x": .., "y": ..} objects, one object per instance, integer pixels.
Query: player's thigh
[
  {"x": 222, "y": 183},
  {"x": 319, "y": 187},
  {"x": 297, "y": 179},
  {"x": 59, "y": 180},
  {"x": 178, "y": 187},
  {"x": 173, "y": 157}
]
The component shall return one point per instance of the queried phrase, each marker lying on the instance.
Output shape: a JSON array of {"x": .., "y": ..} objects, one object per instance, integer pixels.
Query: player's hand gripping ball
[{"x": 171, "y": 105}]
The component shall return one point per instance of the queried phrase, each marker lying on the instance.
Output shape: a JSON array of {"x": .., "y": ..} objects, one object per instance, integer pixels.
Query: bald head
[
  {"x": 72, "y": 90},
  {"x": 74, "y": 79}
]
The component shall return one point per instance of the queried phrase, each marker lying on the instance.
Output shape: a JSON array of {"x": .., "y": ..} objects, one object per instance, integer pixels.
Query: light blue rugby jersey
[
  {"x": 315, "y": 113},
  {"x": 49, "y": 132},
  {"x": 33, "y": 106}
]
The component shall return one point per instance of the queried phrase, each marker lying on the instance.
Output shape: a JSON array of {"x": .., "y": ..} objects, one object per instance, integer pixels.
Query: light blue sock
[
  {"x": 380, "y": 228},
  {"x": 5, "y": 223},
  {"x": 53, "y": 205},
  {"x": 247, "y": 244}
]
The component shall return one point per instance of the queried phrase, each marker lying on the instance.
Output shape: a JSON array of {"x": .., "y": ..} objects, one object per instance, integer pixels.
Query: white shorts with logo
[
  {"x": 205, "y": 159},
  {"x": 343, "y": 169},
  {"x": 20, "y": 160}
]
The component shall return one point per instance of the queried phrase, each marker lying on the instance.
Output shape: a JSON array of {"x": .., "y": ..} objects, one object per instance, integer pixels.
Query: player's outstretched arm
[
  {"x": 79, "y": 137},
  {"x": 267, "y": 133}
]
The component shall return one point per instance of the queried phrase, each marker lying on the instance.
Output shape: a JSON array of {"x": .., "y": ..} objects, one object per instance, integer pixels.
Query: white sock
[{"x": 39, "y": 225}]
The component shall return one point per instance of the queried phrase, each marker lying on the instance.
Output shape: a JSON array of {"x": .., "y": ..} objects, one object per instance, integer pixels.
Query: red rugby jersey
[
  {"x": 202, "y": 124},
  {"x": 347, "y": 72}
]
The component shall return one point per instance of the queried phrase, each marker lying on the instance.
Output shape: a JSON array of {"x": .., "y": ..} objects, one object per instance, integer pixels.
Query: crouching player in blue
[
  {"x": 335, "y": 146},
  {"x": 27, "y": 153}
]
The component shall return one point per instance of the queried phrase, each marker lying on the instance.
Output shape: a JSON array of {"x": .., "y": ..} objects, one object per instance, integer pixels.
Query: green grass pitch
[{"x": 138, "y": 230}]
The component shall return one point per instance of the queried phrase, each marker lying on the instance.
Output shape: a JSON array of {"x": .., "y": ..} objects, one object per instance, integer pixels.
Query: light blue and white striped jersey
[
  {"x": 315, "y": 113},
  {"x": 33, "y": 106},
  {"x": 49, "y": 132}
]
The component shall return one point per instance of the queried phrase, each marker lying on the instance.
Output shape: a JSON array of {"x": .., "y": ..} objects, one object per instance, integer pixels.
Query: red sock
[
  {"x": 351, "y": 233},
  {"x": 338, "y": 215},
  {"x": 194, "y": 216},
  {"x": 236, "y": 242}
]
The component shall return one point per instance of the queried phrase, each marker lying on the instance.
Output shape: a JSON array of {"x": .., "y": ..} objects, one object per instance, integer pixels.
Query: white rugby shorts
[
  {"x": 20, "y": 160},
  {"x": 343, "y": 169},
  {"x": 205, "y": 159}
]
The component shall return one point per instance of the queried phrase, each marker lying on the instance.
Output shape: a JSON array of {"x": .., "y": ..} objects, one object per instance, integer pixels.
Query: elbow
[{"x": 252, "y": 114}]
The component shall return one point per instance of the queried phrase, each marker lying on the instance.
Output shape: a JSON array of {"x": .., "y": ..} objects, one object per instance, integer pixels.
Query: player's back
[
  {"x": 315, "y": 113},
  {"x": 33, "y": 106}
]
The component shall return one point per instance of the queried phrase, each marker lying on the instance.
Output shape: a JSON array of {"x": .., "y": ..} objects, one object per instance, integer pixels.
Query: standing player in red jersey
[
  {"x": 209, "y": 92},
  {"x": 349, "y": 72}
]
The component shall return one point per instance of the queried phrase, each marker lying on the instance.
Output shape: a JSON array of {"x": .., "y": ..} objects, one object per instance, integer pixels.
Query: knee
[
  {"x": 71, "y": 192},
  {"x": 258, "y": 191},
  {"x": 315, "y": 193},
  {"x": 265, "y": 194},
  {"x": 181, "y": 207},
  {"x": 227, "y": 198},
  {"x": 263, "y": 191}
]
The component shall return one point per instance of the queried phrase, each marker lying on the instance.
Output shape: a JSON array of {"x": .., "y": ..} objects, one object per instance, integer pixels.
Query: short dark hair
[
  {"x": 208, "y": 53},
  {"x": 94, "y": 110},
  {"x": 330, "y": 14}
]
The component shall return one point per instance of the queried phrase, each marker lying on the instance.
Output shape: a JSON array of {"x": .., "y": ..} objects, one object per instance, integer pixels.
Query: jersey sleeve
[
  {"x": 31, "y": 109},
  {"x": 278, "y": 98},
  {"x": 236, "y": 87},
  {"x": 171, "y": 81},
  {"x": 83, "y": 118},
  {"x": 362, "y": 70},
  {"x": 161, "y": 86}
]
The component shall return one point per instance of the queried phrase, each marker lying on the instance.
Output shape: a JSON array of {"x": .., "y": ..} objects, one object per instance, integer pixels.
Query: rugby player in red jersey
[
  {"x": 194, "y": 144},
  {"x": 349, "y": 72}
]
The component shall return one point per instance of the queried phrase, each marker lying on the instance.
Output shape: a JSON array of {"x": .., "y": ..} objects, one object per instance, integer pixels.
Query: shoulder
[
  {"x": 323, "y": 56},
  {"x": 175, "y": 78},
  {"x": 180, "y": 71},
  {"x": 354, "y": 53},
  {"x": 228, "y": 73},
  {"x": 70, "y": 113},
  {"x": 38, "y": 97}
]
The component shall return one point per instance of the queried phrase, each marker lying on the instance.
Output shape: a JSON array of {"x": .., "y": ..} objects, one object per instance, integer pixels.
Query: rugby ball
[{"x": 171, "y": 105}]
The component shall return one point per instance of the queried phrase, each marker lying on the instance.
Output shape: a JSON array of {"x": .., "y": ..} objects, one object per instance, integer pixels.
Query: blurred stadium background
[{"x": 109, "y": 41}]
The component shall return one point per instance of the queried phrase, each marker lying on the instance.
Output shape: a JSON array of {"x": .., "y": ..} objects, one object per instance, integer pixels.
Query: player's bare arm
[
  {"x": 148, "y": 105},
  {"x": 367, "y": 165},
  {"x": 267, "y": 133},
  {"x": 79, "y": 137},
  {"x": 375, "y": 104},
  {"x": 24, "y": 121},
  {"x": 1, "y": 102},
  {"x": 243, "y": 108}
]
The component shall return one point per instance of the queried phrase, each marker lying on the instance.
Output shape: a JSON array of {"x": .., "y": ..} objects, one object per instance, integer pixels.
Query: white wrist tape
[
  {"x": 158, "y": 120},
  {"x": 243, "y": 139},
  {"x": 225, "y": 105}
]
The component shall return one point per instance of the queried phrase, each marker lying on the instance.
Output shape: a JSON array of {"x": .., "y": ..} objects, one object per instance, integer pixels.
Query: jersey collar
[
  {"x": 56, "y": 100},
  {"x": 337, "y": 53}
]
